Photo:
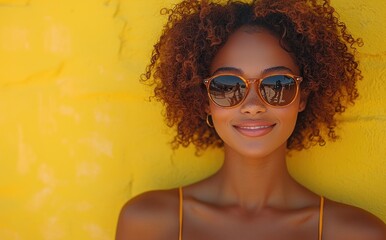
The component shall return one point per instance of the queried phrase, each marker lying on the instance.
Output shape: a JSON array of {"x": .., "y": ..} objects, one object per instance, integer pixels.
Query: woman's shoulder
[
  {"x": 343, "y": 221},
  {"x": 153, "y": 202},
  {"x": 150, "y": 215}
]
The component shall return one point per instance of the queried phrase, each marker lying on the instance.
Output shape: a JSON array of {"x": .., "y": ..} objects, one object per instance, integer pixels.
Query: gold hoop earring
[{"x": 209, "y": 120}]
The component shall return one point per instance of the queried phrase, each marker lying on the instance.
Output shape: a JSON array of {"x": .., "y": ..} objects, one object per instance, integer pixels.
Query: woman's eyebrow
[
  {"x": 264, "y": 72},
  {"x": 227, "y": 69},
  {"x": 276, "y": 69}
]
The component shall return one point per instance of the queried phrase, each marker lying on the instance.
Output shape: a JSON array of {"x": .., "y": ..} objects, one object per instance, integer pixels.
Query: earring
[{"x": 209, "y": 120}]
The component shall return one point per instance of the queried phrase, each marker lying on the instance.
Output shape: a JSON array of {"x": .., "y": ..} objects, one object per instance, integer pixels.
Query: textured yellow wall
[{"x": 78, "y": 137}]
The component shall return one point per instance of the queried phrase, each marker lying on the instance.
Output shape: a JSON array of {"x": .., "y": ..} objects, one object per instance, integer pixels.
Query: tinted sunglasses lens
[
  {"x": 278, "y": 90},
  {"x": 227, "y": 91}
]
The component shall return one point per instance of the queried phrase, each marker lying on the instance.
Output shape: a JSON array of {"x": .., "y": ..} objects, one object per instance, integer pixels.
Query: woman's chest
[{"x": 265, "y": 225}]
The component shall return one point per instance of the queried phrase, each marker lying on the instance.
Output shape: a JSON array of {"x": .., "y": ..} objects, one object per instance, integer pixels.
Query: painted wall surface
[{"x": 79, "y": 138}]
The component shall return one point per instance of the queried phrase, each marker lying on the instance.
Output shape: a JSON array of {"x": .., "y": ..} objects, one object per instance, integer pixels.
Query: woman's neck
[{"x": 253, "y": 183}]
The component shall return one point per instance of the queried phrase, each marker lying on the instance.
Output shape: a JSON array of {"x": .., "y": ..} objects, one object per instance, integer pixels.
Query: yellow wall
[{"x": 78, "y": 137}]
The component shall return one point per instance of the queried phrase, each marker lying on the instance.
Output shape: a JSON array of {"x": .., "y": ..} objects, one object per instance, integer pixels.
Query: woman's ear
[
  {"x": 303, "y": 102},
  {"x": 302, "y": 105},
  {"x": 207, "y": 109}
]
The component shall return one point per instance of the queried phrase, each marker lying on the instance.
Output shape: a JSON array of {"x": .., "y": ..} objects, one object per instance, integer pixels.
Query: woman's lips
[{"x": 254, "y": 129}]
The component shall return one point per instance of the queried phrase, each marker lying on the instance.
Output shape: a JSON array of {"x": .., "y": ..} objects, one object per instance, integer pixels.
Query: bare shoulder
[
  {"x": 149, "y": 216},
  {"x": 342, "y": 221}
]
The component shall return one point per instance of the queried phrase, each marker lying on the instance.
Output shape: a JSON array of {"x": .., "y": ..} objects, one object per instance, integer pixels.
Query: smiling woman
[
  {"x": 258, "y": 80},
  {"x": 247, "y": 127}
]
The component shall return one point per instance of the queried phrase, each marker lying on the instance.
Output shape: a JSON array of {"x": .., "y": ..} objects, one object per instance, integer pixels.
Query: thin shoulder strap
[
  {"x": 181, "y": 197},
  {"x": 321, "y": 217}
]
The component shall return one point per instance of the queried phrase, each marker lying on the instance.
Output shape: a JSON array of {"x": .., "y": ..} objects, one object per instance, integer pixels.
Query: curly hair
[{"x": 309, "y": 29}]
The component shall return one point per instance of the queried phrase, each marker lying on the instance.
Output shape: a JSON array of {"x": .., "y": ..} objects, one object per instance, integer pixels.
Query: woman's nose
[{"x": 253, "y": 104}]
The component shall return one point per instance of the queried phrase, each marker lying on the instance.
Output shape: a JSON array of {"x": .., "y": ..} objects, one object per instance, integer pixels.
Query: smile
[
  {"x": 254, "y": 130},
  {"x": 254, "y": 127}
]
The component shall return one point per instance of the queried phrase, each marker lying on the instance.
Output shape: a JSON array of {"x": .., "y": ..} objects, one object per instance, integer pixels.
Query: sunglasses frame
[{"x": 248, "y": 82}]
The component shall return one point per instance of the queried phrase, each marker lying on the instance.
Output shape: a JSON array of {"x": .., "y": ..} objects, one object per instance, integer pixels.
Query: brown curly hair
[{"x": 309, "y": 29}]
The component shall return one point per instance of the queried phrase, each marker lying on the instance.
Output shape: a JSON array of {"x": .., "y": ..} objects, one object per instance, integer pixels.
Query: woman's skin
[{"x": 252, "y": 196}]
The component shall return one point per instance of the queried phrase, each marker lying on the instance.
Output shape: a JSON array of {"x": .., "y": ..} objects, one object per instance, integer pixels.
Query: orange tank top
[{"x": 181, "y": 198}]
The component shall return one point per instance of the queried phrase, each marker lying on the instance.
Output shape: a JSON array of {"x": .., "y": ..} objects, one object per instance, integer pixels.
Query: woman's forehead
[{"x": 253, "y": 51}]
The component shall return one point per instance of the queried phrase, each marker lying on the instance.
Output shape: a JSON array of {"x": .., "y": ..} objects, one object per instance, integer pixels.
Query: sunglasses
[{"x": 229, "y": 90}]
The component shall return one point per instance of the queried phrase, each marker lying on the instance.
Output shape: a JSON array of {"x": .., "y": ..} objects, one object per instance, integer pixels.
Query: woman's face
[{"x": 253, "y": 128}]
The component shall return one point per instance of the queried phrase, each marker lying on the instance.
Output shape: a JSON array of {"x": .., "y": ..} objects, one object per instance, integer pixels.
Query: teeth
[{"x": 254, "y": 127}]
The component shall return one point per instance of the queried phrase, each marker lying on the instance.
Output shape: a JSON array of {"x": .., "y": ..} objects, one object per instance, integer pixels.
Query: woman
[{"x": 216, "y": 68}]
